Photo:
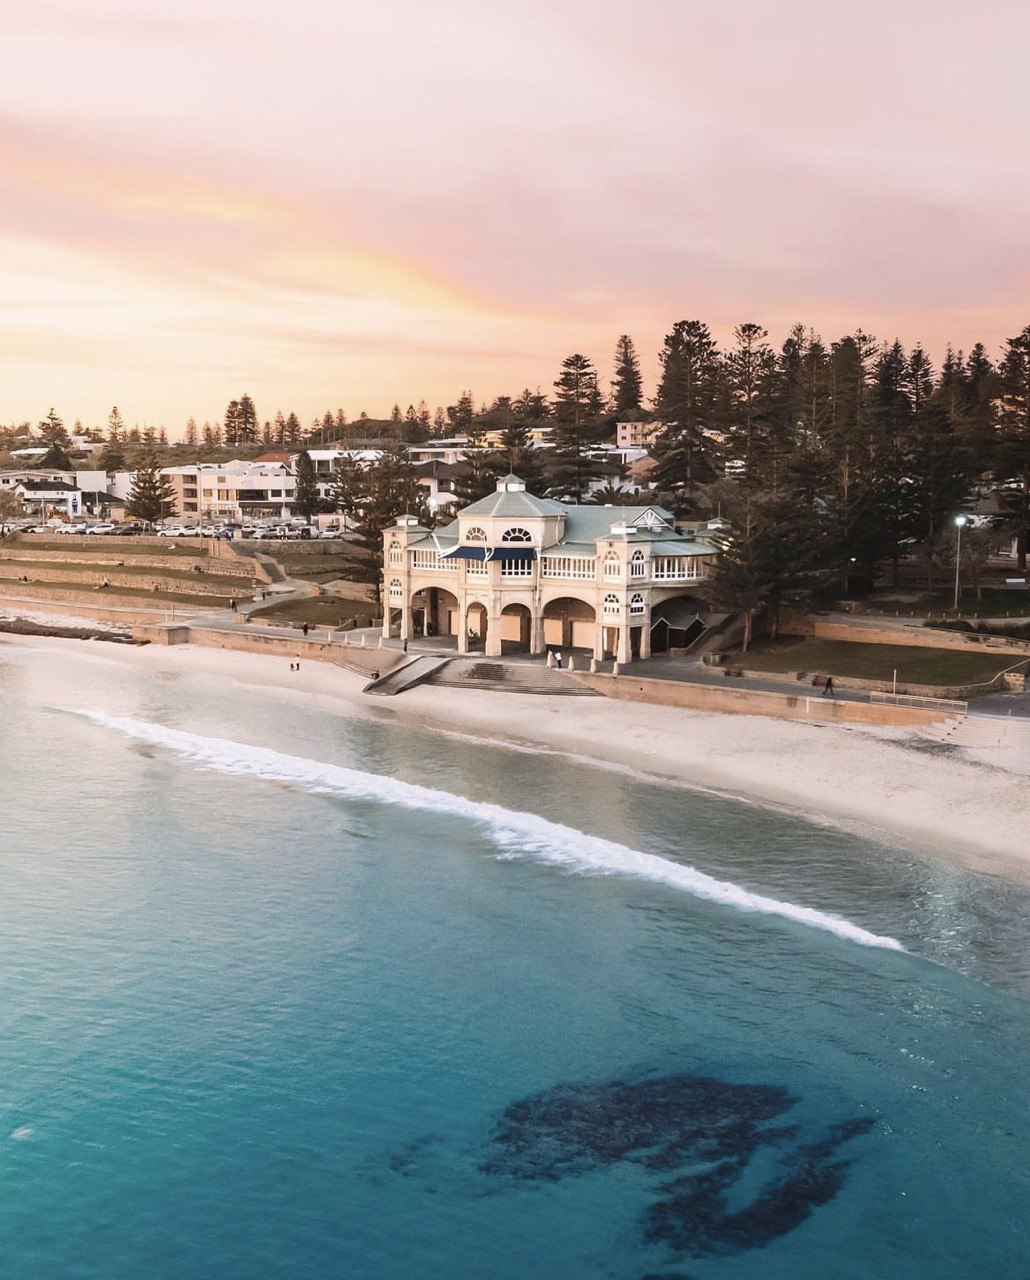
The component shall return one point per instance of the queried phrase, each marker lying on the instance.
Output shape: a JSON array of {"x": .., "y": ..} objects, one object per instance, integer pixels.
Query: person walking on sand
[{"x": 828, "y": 688}]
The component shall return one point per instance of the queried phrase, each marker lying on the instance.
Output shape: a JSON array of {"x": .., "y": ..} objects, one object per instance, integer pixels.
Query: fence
[{"x": 952, "y": 705}]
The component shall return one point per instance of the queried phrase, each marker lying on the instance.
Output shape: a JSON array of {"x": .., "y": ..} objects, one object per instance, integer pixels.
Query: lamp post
[{"x": 960, "y": 524}]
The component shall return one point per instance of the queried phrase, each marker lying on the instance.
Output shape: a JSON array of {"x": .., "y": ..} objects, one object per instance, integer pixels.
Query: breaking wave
[{"x": 515, "y": 834}]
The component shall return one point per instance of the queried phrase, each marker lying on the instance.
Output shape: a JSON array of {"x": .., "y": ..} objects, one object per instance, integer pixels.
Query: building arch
[
  {"x": 516, "y": 628},
  {"x": 477, "y": 624},
  {"x": 569, "y": 622},
  {"x": 435, "y": 611},
  {"x": 475, "y": 534},
  {"x": 516, "y": 534}
]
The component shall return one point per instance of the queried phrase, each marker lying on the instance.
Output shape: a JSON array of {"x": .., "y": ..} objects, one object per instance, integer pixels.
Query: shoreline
[{"x": 881, "y": 782}]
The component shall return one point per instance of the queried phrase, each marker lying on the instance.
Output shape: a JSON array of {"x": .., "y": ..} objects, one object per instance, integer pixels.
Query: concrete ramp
[{"x": 407, "y": 675}]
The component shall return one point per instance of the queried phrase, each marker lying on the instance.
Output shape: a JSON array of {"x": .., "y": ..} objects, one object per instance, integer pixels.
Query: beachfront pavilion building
[{"x": 514, "y": 572}]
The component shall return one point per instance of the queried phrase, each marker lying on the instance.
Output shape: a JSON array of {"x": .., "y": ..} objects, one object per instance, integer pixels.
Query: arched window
[
  {"x": 516, "y": 535},
  {"x": 396, "y": 554},
  {"x": 396, "y": 590},
  {"x": 612, "y": 565},
  {"x": 636, "y": 605},
  {"x": 475, "y": 534},
  {"x": 611, "y": 603}
]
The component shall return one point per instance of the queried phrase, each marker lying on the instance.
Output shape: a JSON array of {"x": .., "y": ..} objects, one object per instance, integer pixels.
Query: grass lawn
[
  {"x": 873, "y": 661},
  {"x": 996, "y": 602},
  {"x": 317, "y": 611}
]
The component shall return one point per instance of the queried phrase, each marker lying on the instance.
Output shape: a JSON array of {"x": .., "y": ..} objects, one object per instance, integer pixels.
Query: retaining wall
[
  {"x": 291, "y": 647},
  {"x": 753, "y": 702}
]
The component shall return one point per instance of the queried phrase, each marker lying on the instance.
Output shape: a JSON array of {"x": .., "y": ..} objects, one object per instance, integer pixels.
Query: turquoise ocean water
[{"x": 285, "y": 994}]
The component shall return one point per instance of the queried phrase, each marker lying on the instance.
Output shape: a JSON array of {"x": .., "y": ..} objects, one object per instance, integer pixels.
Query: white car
[{"x": 101, "y": 528}]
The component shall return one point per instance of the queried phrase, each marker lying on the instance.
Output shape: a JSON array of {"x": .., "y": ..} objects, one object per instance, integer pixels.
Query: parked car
[{"x": 102, "y": 529}]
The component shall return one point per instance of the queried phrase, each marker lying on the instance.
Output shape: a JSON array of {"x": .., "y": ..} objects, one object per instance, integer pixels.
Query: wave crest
[{"x": 515, "y": 834}]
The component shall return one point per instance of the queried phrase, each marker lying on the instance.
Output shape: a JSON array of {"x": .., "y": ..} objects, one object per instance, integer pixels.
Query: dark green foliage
[
  {"x": 691, "y": 404},
  {"x": 55, "y": 459},
  {"x": 53, "y": 431},
  {"x": 577, "y": 412},
  {"x": 1013, "y": 454},
  {"x": 627, "y": 388},
  {"x": 305, "y": 496},
  {"x": 151, "y": 497}
]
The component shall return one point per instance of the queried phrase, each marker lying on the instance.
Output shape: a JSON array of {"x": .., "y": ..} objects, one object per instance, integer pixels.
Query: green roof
[{"x": 512, "y": 504}]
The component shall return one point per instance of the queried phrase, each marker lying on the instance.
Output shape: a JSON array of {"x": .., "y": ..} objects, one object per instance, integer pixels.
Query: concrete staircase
[
  {"x": 982, "y": 731},
  {"x": 507, "y": 677}
]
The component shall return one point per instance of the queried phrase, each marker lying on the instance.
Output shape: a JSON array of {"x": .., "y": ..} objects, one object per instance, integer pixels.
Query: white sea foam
[{"x": 515, "y": 834}]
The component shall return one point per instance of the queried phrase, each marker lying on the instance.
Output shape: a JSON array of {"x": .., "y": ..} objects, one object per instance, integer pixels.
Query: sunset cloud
[{"x": 356, "y": 206}]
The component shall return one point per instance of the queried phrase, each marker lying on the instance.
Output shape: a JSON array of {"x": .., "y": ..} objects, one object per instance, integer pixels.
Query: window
[
  {"x": 636, "y": 605},
  {"x": 396, "y": 590},
  {"x": 516, "y": 535},
  {"x": 516, "y": 568},
  {"x": 475, "y": 534},
  {"x": 611, "y": 603},
  {"x": 396, "y": 554},
  {"x": 637, "y": 564},
  {"x": 612, "y": 567},
  {"x": 476, "y": 569}
]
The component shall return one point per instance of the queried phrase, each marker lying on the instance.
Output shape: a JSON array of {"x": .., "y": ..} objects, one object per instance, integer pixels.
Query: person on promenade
[
  {"x": 405, "y": 646},
  {"x": 557, "y": 659},
  {"x": 828, "y": 687},
  {"x": 232, "y": 603},
  {"x": 305, "y": 629}
]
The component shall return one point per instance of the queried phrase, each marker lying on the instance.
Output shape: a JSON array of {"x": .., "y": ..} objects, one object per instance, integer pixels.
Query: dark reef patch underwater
[{"x": 700, "y": 1137}]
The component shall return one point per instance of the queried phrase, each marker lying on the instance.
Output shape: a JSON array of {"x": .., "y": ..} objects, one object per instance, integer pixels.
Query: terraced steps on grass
[
  {"x": 174, "y": 562},
  {"x": 77, "y": 592},
  {"x": 200, "y": 585}
]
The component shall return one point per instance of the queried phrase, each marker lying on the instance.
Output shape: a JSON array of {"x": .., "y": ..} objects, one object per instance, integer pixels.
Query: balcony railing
[{"x": 577, "y": 568}]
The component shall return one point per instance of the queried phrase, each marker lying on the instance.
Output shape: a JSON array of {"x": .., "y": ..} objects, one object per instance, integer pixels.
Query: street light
[{"x": 960, "y": 524}]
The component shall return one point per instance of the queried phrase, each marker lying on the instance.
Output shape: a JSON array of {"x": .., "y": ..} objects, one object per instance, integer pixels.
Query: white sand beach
[{"x": 890, "y": 783}]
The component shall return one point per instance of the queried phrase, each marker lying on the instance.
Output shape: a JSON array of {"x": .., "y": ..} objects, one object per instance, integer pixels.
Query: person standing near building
[{"x": 557, "y": 658}]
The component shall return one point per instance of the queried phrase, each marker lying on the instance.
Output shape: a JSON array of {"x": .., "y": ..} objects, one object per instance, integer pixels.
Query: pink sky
[{"x": 327, "y": 204}]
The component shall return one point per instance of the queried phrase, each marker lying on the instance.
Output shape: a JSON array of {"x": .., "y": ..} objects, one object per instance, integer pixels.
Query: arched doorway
[
  {"x": 435, "y": 612},
  {"x": 570, "y": 624},
  {"x": 476, "y": 626},
  {"x": 516, "y": 628}
]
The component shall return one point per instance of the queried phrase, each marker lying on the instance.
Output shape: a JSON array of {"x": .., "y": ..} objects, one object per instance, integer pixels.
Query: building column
[
  {"x": 492, "y": 648},
  {"x": 406, "y": 627},
  {"x": 645, "y": 637},
  {"x": 622, "y": 652},
  {"x": 536, "y": 632},
  {"x": 598, "y": 638}
]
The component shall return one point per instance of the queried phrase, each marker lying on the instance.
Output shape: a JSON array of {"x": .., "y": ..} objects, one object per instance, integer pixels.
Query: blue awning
[
  {"x": 521, "y": 555},
  {"x": 464, "y": 553}
]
